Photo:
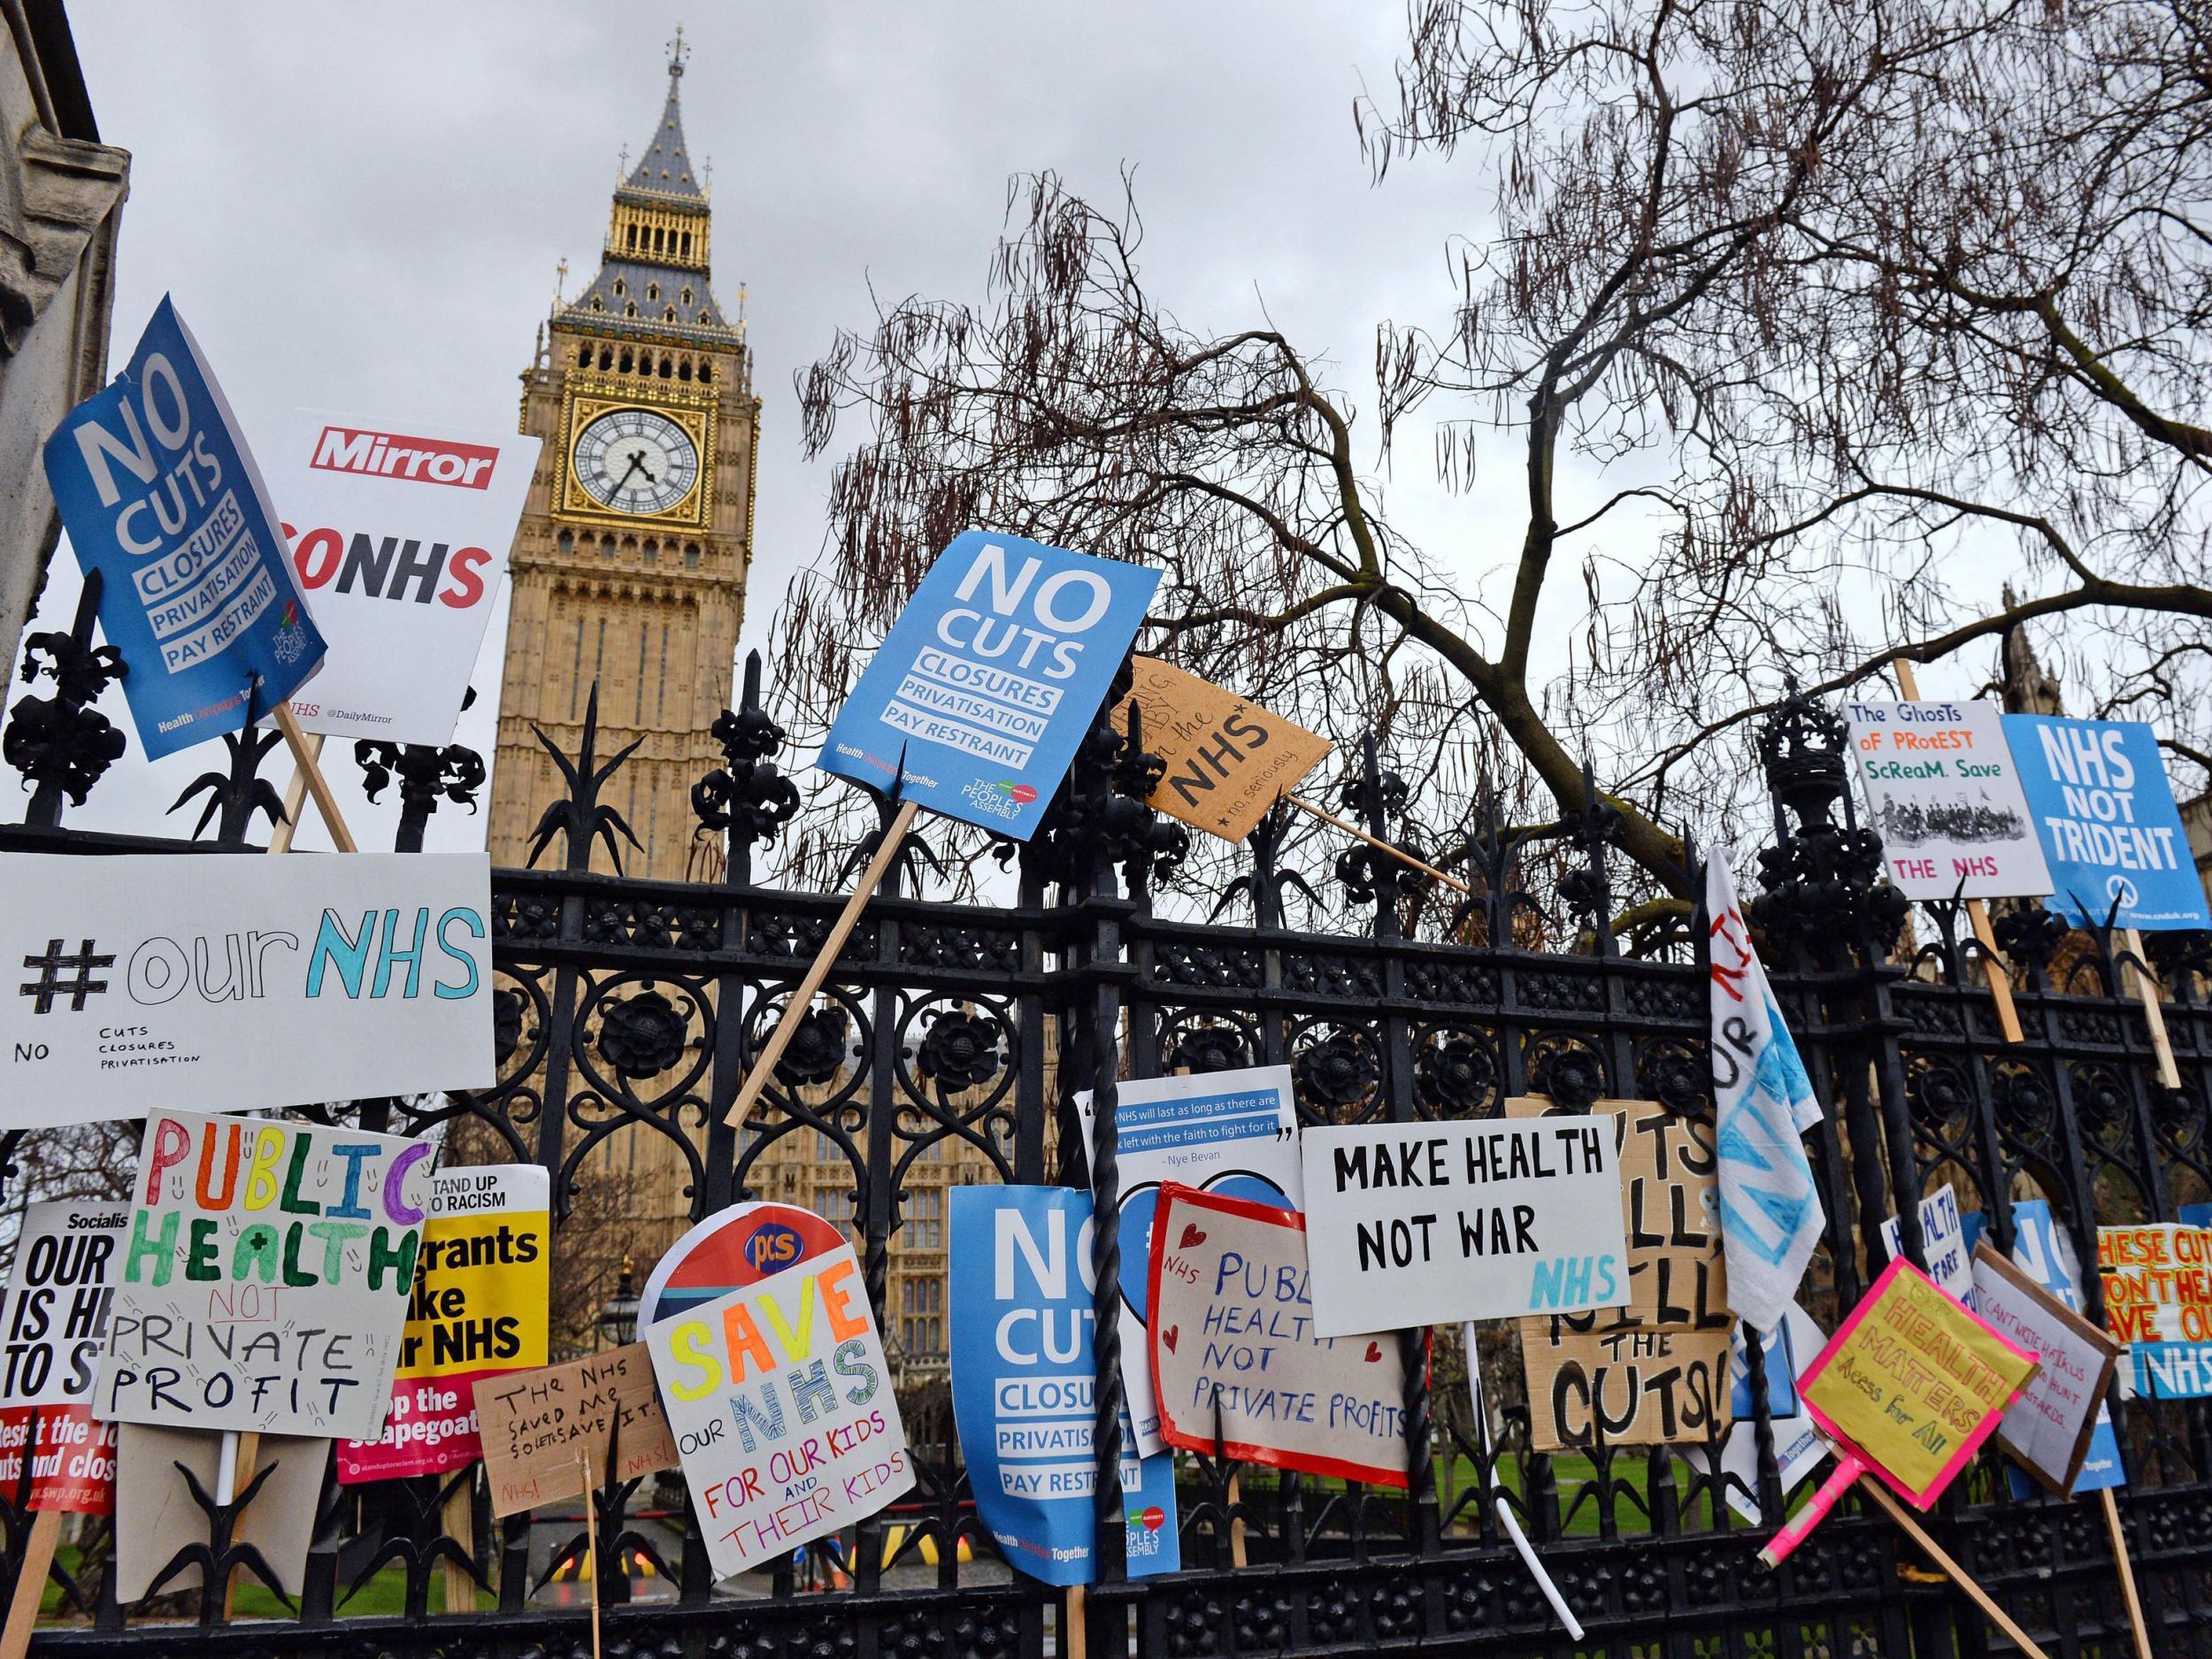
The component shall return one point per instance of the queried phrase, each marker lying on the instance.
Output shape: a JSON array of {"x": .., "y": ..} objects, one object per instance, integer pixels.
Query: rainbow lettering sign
[
  {"x": 782, "y": 1409},
  {"x": 1913, "y": 1384}
]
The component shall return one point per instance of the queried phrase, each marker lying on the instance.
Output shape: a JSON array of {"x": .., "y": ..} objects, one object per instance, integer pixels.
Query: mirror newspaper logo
[{"x": 394, "y": 455}]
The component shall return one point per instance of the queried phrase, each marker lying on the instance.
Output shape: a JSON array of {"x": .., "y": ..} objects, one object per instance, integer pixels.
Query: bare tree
[{"x": 1809, "y": 322}]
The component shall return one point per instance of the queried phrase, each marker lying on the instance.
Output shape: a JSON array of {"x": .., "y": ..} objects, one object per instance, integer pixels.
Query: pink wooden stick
[{"x": 1849, "y": 1467}]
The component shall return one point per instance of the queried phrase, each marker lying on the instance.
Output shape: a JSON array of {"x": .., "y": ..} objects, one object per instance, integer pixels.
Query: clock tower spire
[{"x": 631, "y": 559}]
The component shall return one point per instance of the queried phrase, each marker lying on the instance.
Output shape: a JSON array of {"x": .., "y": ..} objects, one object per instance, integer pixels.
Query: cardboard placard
[
  {"x": 1434, "y": 1223},
  {"x": 975, "y": 702},
  {"x": 2104, "y": 811},
  {"x": 1228, "y": 759},
  {"x": 1024, "y": 1388},
  {"x": 535, "y": 1425},
  {"x": 1914, "y": 1383},
  {"x": 2048, "y": 1428},
  {"x": 1232, "y": 1133},
  {"x": 151, "y": 983},
  {"x": 155, "y": 1515},
  {"x": 2158, "y": 1301},
  {"x": 780, "y": 1403},
  {"x": 2047, "y": 1255},
  {"x": 477, "y": 1311},
  {"x": 399, "y": 534},
  {"x": 159, "y": 489},
  {"x": 1943, "y": 794},
  {"x": 1233, "y": 1349},
  {"x": 266, "y": 1275},
  {"x": 1654, "y": 1369}
]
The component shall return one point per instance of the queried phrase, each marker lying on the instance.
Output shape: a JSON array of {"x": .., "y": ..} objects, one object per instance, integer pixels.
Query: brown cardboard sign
[
  {"x": 1228, "y": 759},
  {"x": 1656, "y": 1369},
  {"x": 535, "y": 1423},
  {"x": 155, "y": 1515},
  {"x": 2047, "y": 1428}
]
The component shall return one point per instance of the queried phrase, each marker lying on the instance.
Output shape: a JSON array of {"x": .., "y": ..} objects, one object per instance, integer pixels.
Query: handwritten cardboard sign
[
  {"x": 1654, "y": 1369},
  {"x": 1233, "y": 1349},
  {"x": 2158, "y": 1301},
  {"x": 1433, "y": 1223},
  {"x": 2049, "y": 1427},
  {"x": 1228, "y": 759},
  {"x": 1942, "y": 1243},
  {"x": 266, "y": 1276},
  {"x": 477, "y": 1311},
  {"x": 156, "y": 1517},
  {"x": 535, "y": 1423},
  {"x": 1914, "y": 1383},
  {"x": 780, "y": 1401}
]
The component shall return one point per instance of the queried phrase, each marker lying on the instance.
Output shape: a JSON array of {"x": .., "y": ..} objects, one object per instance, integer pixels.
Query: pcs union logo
[{"x": 773, "y": 1246}]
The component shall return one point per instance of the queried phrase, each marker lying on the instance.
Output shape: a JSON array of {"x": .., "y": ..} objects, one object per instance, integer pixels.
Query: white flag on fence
[{"x": 1770, "y": 1214}]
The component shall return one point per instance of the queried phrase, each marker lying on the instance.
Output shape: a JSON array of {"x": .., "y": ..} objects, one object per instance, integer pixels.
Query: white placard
[
  {"x": 1943, "y": 794},
  {"x": 782, "y": 1405},
  {"x": 2049, "y": 1427},
  {"x": 54, "y": 1315},
  {"x": 214, "y": 983},
  {"x": 1942, "y": 1241},
  {"x": 266, "y": 1276},
  {"x": 1432, "y": 1223},
  {"x": 1230, "y": 1134},
  {"x": 399, "y": 532}
]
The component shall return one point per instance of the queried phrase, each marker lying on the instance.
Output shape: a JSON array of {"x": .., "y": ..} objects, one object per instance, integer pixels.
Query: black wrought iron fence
[{"x": 629, "y": 1008}]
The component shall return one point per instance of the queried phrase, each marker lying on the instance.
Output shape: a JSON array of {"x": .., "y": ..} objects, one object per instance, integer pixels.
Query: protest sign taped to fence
[
  {"x": 156, "y": 1516},
  {"x": 1913, "y": 1383},
  {"x": 536, "y": 1425},
  {"x": 1798, "y": 1447},
  {"x": 2158, "y": 1302},
  {"x": 975, "y": 702},
  {"x": 1024, "y": 1387},
  {"x": 1943, "y": 1243},
  {"x": 2048, "y": 1428},
  {"x": 266, "y": 1275},
  {"x": 1434, "y": 1223},
  {"x": 399, "y": 532},
  {"x": 1655, "y": 1368},
  {"x": 1228, "y": 760},
  {"x": 161, "y": 497},
  {"x": 2105, "y": 813},
  {"x": 781, "y": 1404},
  {"x": 145, "y": 983},
  {"x": 53, "y": 1320},
  {"x": 737, "y": 1246},
  {"x": 477, "y": 1311},
  {"x": 1231, "y": 1133},
  {"x": 2045, "y": 1254},
  {"x": 1234, "y": 1359},
  {"x": 1943, "y": 794}
]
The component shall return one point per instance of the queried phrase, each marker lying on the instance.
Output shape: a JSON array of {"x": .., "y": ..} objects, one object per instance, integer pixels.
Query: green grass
[{"x": 384, "y": 1596}]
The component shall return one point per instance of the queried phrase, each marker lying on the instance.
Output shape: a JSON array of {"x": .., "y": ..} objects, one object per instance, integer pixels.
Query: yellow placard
[
  {"x": 1914, "y": 1383},
  {"x": 1228, "y": 759}
]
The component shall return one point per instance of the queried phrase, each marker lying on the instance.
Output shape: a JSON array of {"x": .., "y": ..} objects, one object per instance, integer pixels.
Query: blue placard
[
  {"x": 1779, "y": 1363},
  {"x": 2039, "y": 1251},
  {"x": 161, "y": 497},
  {"x": 1023, "y": 1385},
  {"x": 976, "y": 700},
  {"x": 2105, "y": 814}
]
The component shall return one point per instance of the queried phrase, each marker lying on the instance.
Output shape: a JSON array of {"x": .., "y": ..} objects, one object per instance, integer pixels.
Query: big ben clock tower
[{"x": 630, "y": 562}]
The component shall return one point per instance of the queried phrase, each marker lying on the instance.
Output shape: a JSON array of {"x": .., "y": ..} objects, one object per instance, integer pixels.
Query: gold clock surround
[{"x": 589, "y": 395}]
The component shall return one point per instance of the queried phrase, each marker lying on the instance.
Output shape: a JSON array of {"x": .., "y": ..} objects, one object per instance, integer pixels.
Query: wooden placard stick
[
  {"x": 2127, "y": 1575},
  {"x": 591, "y": 1545},
  {"x": 1957, "y": 1574},
  {"x": 2153, "y": 1015},
  {"x": 459, "y": 1521},
  {"x": 1074, "y": 1609},
  {"x": 802, "y": 997},
  {"x": 234, "y": 1468},
  {"x": 305, "y": 758},
  {"x": 30, "y": 1587},
  {"x": 1400, "y": 854},
  {"x": 295, "y": 798},
  {"x": 1977, "y": 912}
]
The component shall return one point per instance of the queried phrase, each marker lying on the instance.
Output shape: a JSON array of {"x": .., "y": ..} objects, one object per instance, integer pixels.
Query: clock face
[{"x": 633, "y": 460}]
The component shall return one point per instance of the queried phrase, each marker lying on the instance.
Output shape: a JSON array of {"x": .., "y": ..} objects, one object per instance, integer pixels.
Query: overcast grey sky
[{"x": 361, "y": 207}]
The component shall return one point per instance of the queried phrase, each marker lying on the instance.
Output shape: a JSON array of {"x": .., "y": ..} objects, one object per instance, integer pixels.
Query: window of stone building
[
  {"x": 633, "y": 239},
  {"x": 652, "y": 552},
  {"x": 668, "y": 367},
  {"x": 706, "y": 371},
  {"x": 924, "y": 1211},
  {"x": 834, "y": 1204},
  {"x": 566, "y": 542},
  {"x": 625, "y": 359},
  {"x": 691, "y": 554},
  {"x": 683, "y": 368},
  {"x": 652, "y": 290},
  {"x": 669, "y": 316},
  {"x": 921, "y": 1336},
  {"x": 583, "y": 355},
  {"x": 606, "y": 546},
  {"x": 629, "y": 308},
  {"x": 596, "y": 304},
  {"x": 619, "y": 288},
  {"x": 606, "y": 357},
  {"x": 687, "y": 249},
  {"x": 685, "y": 295},
  {"x": 924, "y": 1296}
]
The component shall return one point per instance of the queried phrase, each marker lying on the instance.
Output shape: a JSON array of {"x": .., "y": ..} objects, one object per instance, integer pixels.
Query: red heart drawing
[
  {"x": 1167, "y": 1337},
  {"x": 1191, "y": 1237},
  {"x": 1374, "y": 1352}
]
